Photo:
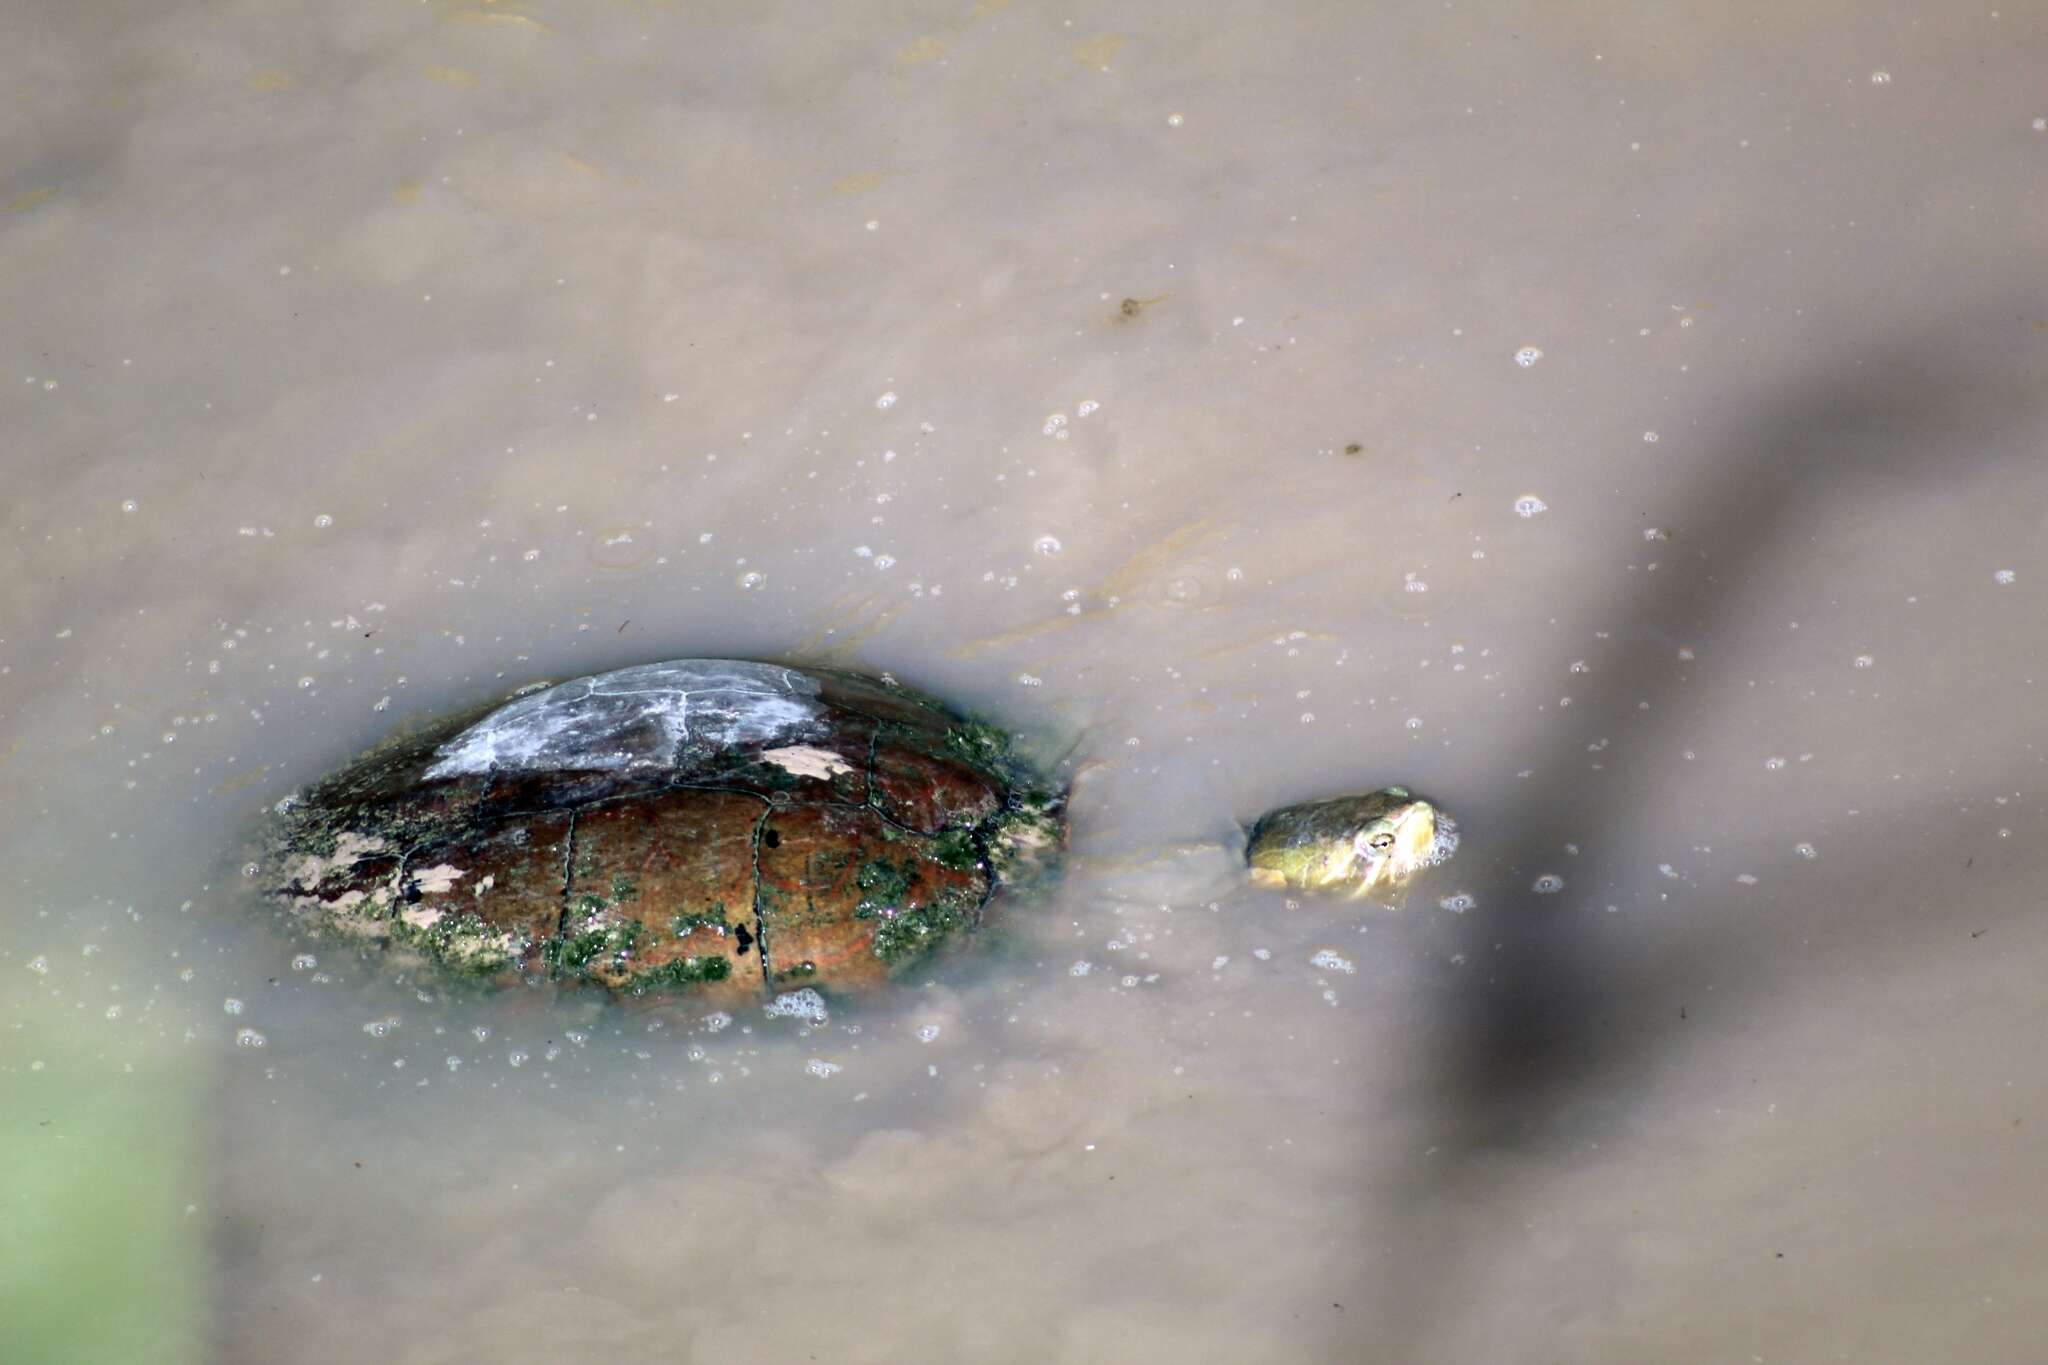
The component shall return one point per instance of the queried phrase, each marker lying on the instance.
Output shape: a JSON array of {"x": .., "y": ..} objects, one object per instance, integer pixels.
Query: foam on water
[{"x": 805, "y": 1004}]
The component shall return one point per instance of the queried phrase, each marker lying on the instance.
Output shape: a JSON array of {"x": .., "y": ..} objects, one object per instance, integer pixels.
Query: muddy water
[{"x": 1621, "y": 425}]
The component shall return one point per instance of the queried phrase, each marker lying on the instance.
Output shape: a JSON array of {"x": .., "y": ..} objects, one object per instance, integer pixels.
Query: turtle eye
[{"x": 1381, "y": 842}]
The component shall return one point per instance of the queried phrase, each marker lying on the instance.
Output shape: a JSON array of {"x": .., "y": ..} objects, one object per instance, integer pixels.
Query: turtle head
[{"x": 1350, "y": 845}]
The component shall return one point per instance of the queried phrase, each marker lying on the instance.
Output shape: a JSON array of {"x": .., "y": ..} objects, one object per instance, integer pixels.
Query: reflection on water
[{"x": 370, "y": 364}]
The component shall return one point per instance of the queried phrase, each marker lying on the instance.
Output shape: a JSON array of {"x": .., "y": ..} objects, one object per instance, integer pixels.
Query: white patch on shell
[
  {"x": 806, "y": 761},
  {"x": 421, "y": 919},
  {"x": 354, "y": 846},
  {"x": 478, "y": 948},
  {"x": 435, "y": 880},
  {"x": 361, "y": 927},
  {"x": 305, "y": 871},
  {"x": 637, "y": 717},
  {"x": 309, "y": 870}
]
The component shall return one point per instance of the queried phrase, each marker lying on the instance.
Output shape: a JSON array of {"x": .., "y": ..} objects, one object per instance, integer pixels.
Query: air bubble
[
  {"x": 1651, "y": 437},
  {"x": 1880, "y": 77},
  {"x": 1529, "y": 505},
  {"x": 516, "y": 1058},
  {"x": 886, "y": 401},
  {"x": 1528, "y": 356},
  {"x": 249, "y": 1037},
  {"x": 1053, "y": 424},
  {"x": 305, "y": 962},
  {"x": 1081, "y": 968},
  {"x": 1085, "y": 407},
  {"x": 1332, "y": 962},
  {"x": 1191, "y": 585},
  {"x": 751, "y": 579},
  {"x": 1773, "y": 763},
  {"x": 2004, "y": 576},
  {"x": 129, "y": 504},
  {"x": 1549, "y": 884},
  {"x": 819, "y": 1067},
  {"x": 1458, "y": 902},
  {"x": 39, "y": 964},
  {"x": 927, "y": 1032},
  {"x": 1806, "y": 850},
  {"x": 1047, "y": 545},
  {"x": 231, "y": 1005},
  {"x": 1865, "y": 660},
  {"x": 323, "y": 521}
]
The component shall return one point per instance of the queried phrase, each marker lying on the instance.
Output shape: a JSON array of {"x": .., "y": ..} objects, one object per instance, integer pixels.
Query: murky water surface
[{"x": 1620, "y": 423}]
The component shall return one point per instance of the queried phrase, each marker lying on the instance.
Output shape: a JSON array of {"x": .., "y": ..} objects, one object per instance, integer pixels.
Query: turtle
[{"x": 725, "y": 828}]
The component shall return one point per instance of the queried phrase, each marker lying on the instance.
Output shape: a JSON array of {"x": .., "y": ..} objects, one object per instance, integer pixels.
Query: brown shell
[{"x": 725, "y": 826}]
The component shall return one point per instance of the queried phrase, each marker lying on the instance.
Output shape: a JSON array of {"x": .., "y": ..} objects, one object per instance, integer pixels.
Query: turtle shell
[{"x": 718, "y": 825}]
